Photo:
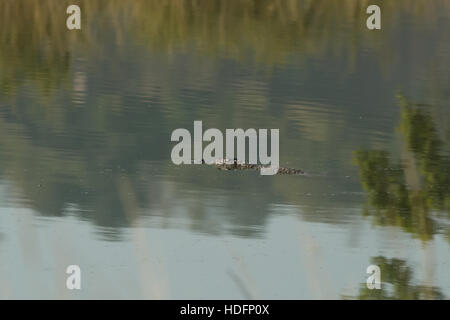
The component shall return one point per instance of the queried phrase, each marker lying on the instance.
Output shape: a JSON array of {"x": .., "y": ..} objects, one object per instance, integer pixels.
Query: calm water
[{"x": 85, "y": 170}]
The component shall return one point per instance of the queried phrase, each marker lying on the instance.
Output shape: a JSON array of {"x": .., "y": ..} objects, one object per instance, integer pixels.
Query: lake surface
[{"x": 86, "y": 176}]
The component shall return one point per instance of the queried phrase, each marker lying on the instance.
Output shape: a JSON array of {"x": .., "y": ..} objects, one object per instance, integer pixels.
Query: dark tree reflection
[
  {"x": 406, "y": 194},
  {"x": 397, "y": 283}
]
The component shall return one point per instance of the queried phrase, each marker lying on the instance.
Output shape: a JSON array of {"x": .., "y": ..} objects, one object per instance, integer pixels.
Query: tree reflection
[
  {"x": 397, "y": 196},
  {"x": 397, "y": 283}
]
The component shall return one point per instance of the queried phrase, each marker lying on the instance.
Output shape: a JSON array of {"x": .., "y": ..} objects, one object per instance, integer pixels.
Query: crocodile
[{"x": 227, "y": 164}]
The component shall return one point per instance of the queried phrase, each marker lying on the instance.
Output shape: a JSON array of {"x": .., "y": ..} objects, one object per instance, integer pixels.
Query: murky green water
[{"x": 86, "y": 176}]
